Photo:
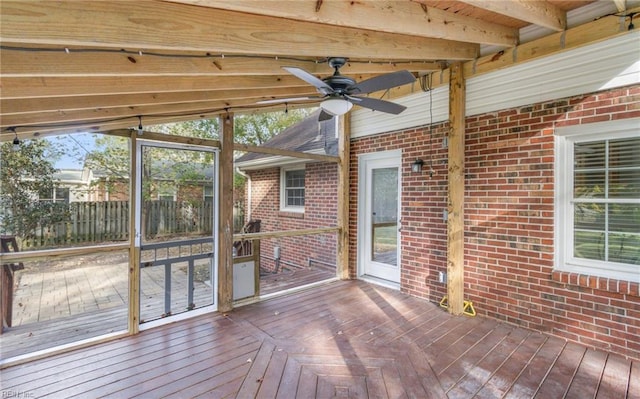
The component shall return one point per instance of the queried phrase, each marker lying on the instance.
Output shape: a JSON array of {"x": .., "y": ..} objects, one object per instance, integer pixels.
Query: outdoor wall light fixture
[
  {"x": 336, "y": 106},
  {"x": 416, "y": 166}
]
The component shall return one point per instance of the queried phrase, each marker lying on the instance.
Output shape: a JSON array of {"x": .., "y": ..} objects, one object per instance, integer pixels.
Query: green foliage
[
  {"x": 24, "y": 173},
  {"x": 252, "y": 129},
  {"x": 255, "y": 129},
  {"x": 201, "y": 128},
  {"x": 164, "y": 168},
  {"x": 110, "y": 157}
]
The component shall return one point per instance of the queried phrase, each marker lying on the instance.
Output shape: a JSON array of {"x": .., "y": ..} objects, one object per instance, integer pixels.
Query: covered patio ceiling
[{"x": 93, "y": 66}]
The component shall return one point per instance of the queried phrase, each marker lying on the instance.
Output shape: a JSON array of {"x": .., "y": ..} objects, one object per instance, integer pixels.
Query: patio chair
[{"x": 243, "y": 247}]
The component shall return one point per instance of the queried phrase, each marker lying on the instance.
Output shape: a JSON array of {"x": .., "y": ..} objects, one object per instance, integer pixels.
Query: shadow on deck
[
  {"x": 342, "y": 339},
  {"x": 88, "y": 298}
]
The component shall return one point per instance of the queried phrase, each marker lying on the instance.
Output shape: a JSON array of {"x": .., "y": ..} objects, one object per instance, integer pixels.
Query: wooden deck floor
[
  {"x": 342, "y": 339},
  {"x": 99, "y": 303}
]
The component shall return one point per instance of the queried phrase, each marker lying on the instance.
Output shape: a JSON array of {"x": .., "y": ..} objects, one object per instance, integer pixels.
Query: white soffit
[{"x": 600, "y": 66}]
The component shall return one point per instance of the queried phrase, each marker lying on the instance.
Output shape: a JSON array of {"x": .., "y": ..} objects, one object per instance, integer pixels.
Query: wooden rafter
[
  {"x": 99, "y": 114},
  {"x": 178, "y": 60},
  {"x": 108, "y": 85},
  {"x": 155, "y": 25},
  {"x": 55, "y": 61},
  {"x": 26, "y": 106},
  {"x": 541, "y": 13},
  {"x": 407, "y": 18},
  {"x": 621, "y": 5}
]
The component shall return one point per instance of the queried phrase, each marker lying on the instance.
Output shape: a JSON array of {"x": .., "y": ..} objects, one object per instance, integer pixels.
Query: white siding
[
  {"x": 366, "y": 122},
  {"x": 608, "y": 64}
]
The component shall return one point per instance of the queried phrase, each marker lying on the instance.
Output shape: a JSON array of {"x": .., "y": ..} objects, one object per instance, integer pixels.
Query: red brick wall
[
  {"x": 321, "y": 191},
  {"x": 509, "y": 218},
  {"x": 424, "y": 239}
]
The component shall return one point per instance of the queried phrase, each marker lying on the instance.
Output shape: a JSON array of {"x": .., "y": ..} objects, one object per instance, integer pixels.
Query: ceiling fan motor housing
[{"x": 339, "y": 83}]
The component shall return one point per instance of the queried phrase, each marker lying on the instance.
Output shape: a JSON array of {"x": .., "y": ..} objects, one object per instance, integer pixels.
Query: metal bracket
[{"x": 467, "y": 306}]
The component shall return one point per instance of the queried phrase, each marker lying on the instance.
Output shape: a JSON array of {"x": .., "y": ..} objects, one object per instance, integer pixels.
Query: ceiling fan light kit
[
  {"x": 336, "y": 106},
  {"x": 338, "y": 93}
]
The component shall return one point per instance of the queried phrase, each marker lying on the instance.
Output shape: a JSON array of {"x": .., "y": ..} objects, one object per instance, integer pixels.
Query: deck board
[
  {"x": 634, "y": 381},
  {"x": 341, "y": 339},
  {"x": 504, "y": 378},
  {"x": 587, "y": 379},
  {"x": 42, "y": 330},
  {"x": 615, "y": 378}
]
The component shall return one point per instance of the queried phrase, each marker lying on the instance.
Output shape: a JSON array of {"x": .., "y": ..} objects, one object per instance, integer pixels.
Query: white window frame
[
  {"x": 54, "y": 195},
  {"x": 283, "y": 181},
  {"x": 565, "y": 138}
]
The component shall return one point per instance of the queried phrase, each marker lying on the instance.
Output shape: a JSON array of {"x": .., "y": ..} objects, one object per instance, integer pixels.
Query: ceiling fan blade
[
  {"x": 309, "y": 78},
  {"x": 377, "y": 105},
  {"x": 382, "y": 82},
  {"x": 287, "y": 100},
  {"x": 324, "y": 116}
]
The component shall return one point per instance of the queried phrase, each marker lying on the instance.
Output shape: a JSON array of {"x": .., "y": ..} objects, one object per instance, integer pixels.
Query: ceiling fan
[{"x": 338, "y": 92}]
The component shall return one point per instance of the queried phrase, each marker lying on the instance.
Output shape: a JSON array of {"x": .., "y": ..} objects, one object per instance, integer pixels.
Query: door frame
[
  {"x": 139, "y": 143},
  {"x": 394, "y": 156}
]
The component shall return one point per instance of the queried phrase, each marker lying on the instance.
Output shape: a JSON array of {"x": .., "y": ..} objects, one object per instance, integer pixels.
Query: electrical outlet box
[{"x": 442, "y": 277}]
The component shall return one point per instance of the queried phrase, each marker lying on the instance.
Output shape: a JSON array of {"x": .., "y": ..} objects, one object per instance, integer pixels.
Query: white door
[{"x": 379, "y": 218}]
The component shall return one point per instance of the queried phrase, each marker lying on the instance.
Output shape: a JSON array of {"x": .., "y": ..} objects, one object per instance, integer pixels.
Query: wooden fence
[{"x": 108, "y": 221}]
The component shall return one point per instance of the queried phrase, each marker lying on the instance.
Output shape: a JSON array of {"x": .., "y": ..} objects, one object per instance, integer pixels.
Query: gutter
[{"x": 246, "y": 176}]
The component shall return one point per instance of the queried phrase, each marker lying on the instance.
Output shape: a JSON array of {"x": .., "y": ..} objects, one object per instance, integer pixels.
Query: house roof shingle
[{"x": 308, "y": 135}]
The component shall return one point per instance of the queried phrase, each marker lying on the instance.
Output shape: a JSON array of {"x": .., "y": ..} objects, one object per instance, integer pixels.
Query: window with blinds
[
  {"x": 292, "y": 189},
  {"x": 606, "y": 190},
  {"x": 597, "y": 205}
]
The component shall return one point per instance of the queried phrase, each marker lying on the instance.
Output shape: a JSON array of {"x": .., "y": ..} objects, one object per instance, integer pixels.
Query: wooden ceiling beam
[
  {"x": 97, "y": 115},
  {"x": 541, "y": 13},
  {"x": 76, "y": 103},
  {"x": 27, "y": 132},
  {"x": 145, "y": 24},
  {"x": 621, "y": 5},
  {"x": 400, "y": 17},
  {"x": 55, "y": 61},
  {"x": 34, "y": 87}
]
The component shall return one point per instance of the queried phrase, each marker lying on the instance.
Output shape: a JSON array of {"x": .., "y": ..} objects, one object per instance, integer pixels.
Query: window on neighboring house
[
  {"x": 166, "y": 191},
  {"x": 598, "y": 199},
  {"x": 57, "y": 194},
  {"x": 208, "y": 194},
  {"x": 292, "y": 189}
]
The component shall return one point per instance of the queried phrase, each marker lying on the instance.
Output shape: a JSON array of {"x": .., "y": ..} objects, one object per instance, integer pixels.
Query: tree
[
  {"x": 165, "y": 169},
  {"x": 24, "y": 173},
  {"x": 109, "y": 161},
  {"x": 257, "y": 128},
  {"x": 252, "y": 129}
]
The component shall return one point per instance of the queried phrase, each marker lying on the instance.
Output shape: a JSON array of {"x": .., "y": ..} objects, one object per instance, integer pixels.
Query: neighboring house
[
  {"x": 70, "y": 185},
  {"x": 75, "y": 185},
  {"x": 179, "y": 200},
  {"x": 287, "y": 193}
]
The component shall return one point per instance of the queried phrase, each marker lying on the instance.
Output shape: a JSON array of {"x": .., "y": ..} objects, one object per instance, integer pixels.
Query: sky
[{"x": 76, "y": 147}]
